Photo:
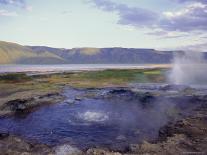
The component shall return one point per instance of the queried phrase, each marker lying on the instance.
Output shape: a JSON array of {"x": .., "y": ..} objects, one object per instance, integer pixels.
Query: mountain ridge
[{"x": 12, "y": 53}]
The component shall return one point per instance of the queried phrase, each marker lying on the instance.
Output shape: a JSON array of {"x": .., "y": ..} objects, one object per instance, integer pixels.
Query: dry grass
[{"x": 15, "y": 86}]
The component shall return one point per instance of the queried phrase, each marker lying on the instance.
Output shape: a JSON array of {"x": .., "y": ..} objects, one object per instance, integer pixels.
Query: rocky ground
[{"x": 28, "y": 104}]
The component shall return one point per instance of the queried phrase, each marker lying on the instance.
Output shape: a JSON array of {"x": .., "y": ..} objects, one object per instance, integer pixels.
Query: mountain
[
  {"x": 11, "y": 53},
  {"x": 107, "y": 55}
]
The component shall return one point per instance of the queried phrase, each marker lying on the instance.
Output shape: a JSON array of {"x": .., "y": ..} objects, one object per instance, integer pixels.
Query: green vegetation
[
  {"x": 106, "y": 78},
  {"x": 18, "y": 85},
  {"x": 90, "y": 51},
  {"x": 90, "y": 78},
  {"x": 14, "y": 77}
]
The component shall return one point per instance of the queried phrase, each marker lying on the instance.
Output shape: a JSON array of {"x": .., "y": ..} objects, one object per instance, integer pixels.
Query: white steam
[{"x": 189, "y": 68}]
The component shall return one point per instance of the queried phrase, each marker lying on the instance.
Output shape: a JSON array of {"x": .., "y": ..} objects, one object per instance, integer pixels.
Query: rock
[
  {"x": 12, "y": 145},
  {"x": 118, "y": 91},
  {"x": 146, "y": 147},
  {"x": 134, "y": 147},
  {"x": 101, "y": 152},
  {"x": 26, "y": 105},
  {"x": 4, "y": 135},
  {"x": 67, "y": 150},
  {"x": 17, "y": 105},
  {"x": 173, "y": 87},
  {"x": 146, "y": 98}
]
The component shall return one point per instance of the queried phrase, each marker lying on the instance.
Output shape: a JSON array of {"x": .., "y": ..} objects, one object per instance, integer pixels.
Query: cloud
[
  {"x": 13, "y": 2},
  {"x": 66, "y": 12},
  {"x": 8, "y": 13},
  {"x": 190, "y": 18},
  {"x": 200, "y": 47},
  {"x": 28, "y": 8},
  {"x": 184, "y": 1},
  {"x": 17, "y": 3},
  {"x": 133, "y": 16},
  {"x": 167, "y": 34}
]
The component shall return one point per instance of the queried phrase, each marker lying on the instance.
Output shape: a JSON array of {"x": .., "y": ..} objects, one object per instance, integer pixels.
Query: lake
[{"x": 72, "y": 67}]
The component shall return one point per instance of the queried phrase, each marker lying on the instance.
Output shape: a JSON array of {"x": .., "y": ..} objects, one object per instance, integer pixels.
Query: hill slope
[
  {"x": 11, "y": 53},
  {"x": 108, "y": 55}
]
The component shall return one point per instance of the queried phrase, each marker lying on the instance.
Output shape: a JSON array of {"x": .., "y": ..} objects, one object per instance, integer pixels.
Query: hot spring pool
[{"x": 113, "y": 122}]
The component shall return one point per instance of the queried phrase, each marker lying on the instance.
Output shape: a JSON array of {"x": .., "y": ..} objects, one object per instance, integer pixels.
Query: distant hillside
[
  {"x": 108, "y": 55},
  {"x": 11, "y": 53}
]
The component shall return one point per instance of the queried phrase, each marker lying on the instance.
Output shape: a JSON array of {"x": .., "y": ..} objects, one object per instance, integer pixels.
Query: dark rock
[
  {"x": 166, "y": 131},
  {"x": 17, "y": 105},
  {"x": 119, "y": 91},
  {"x": 51, "y": 94},
  {"x": 123, "y": 93},
  {"x": 4, "y": 135},
  {"x": 146, "y": 97},
  {"x": 173, "y": 87}
]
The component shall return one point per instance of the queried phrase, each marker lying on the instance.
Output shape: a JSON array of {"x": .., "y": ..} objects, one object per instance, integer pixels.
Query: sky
[{"x": 158, "y": 24}]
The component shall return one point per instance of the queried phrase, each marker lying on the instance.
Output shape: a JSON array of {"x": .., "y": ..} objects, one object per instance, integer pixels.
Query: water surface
[
  {"x": 114, "y": 122},
  {"x": 70, "y": 67}
]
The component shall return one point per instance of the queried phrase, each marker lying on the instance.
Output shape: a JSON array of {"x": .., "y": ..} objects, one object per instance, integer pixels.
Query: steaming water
[
  {"x": 93, "y": 116},
  {"x": 92, "y": 122},
  {"x": 189, "y": 68}
]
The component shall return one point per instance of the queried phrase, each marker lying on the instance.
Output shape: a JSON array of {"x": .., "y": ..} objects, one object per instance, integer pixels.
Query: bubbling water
[{"x": 189, "y": 68}]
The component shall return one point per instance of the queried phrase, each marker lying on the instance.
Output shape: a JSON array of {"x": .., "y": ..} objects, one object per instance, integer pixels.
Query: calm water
[
  {"x": 92, "y": 122},
  {"x": 69, "y": 67}
]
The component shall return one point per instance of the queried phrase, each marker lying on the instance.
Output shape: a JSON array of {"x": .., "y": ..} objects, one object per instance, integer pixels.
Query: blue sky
[{"x": 159, "y": 24}]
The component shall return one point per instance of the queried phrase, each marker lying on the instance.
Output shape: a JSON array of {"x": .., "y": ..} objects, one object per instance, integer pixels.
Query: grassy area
[
  {"x": 86, "y": 79},
  {"x": 14, "y": 77},
  {"x": 106, "y": 78},
  {"x": 13, "y": 86}
]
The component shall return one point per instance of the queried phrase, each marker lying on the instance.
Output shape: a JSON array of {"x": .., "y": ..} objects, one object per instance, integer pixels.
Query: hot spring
[{"x": 96, "y": 118}]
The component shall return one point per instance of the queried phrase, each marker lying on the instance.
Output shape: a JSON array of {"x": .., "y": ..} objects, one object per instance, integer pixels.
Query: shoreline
[{"x": 51, "y": 69}]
